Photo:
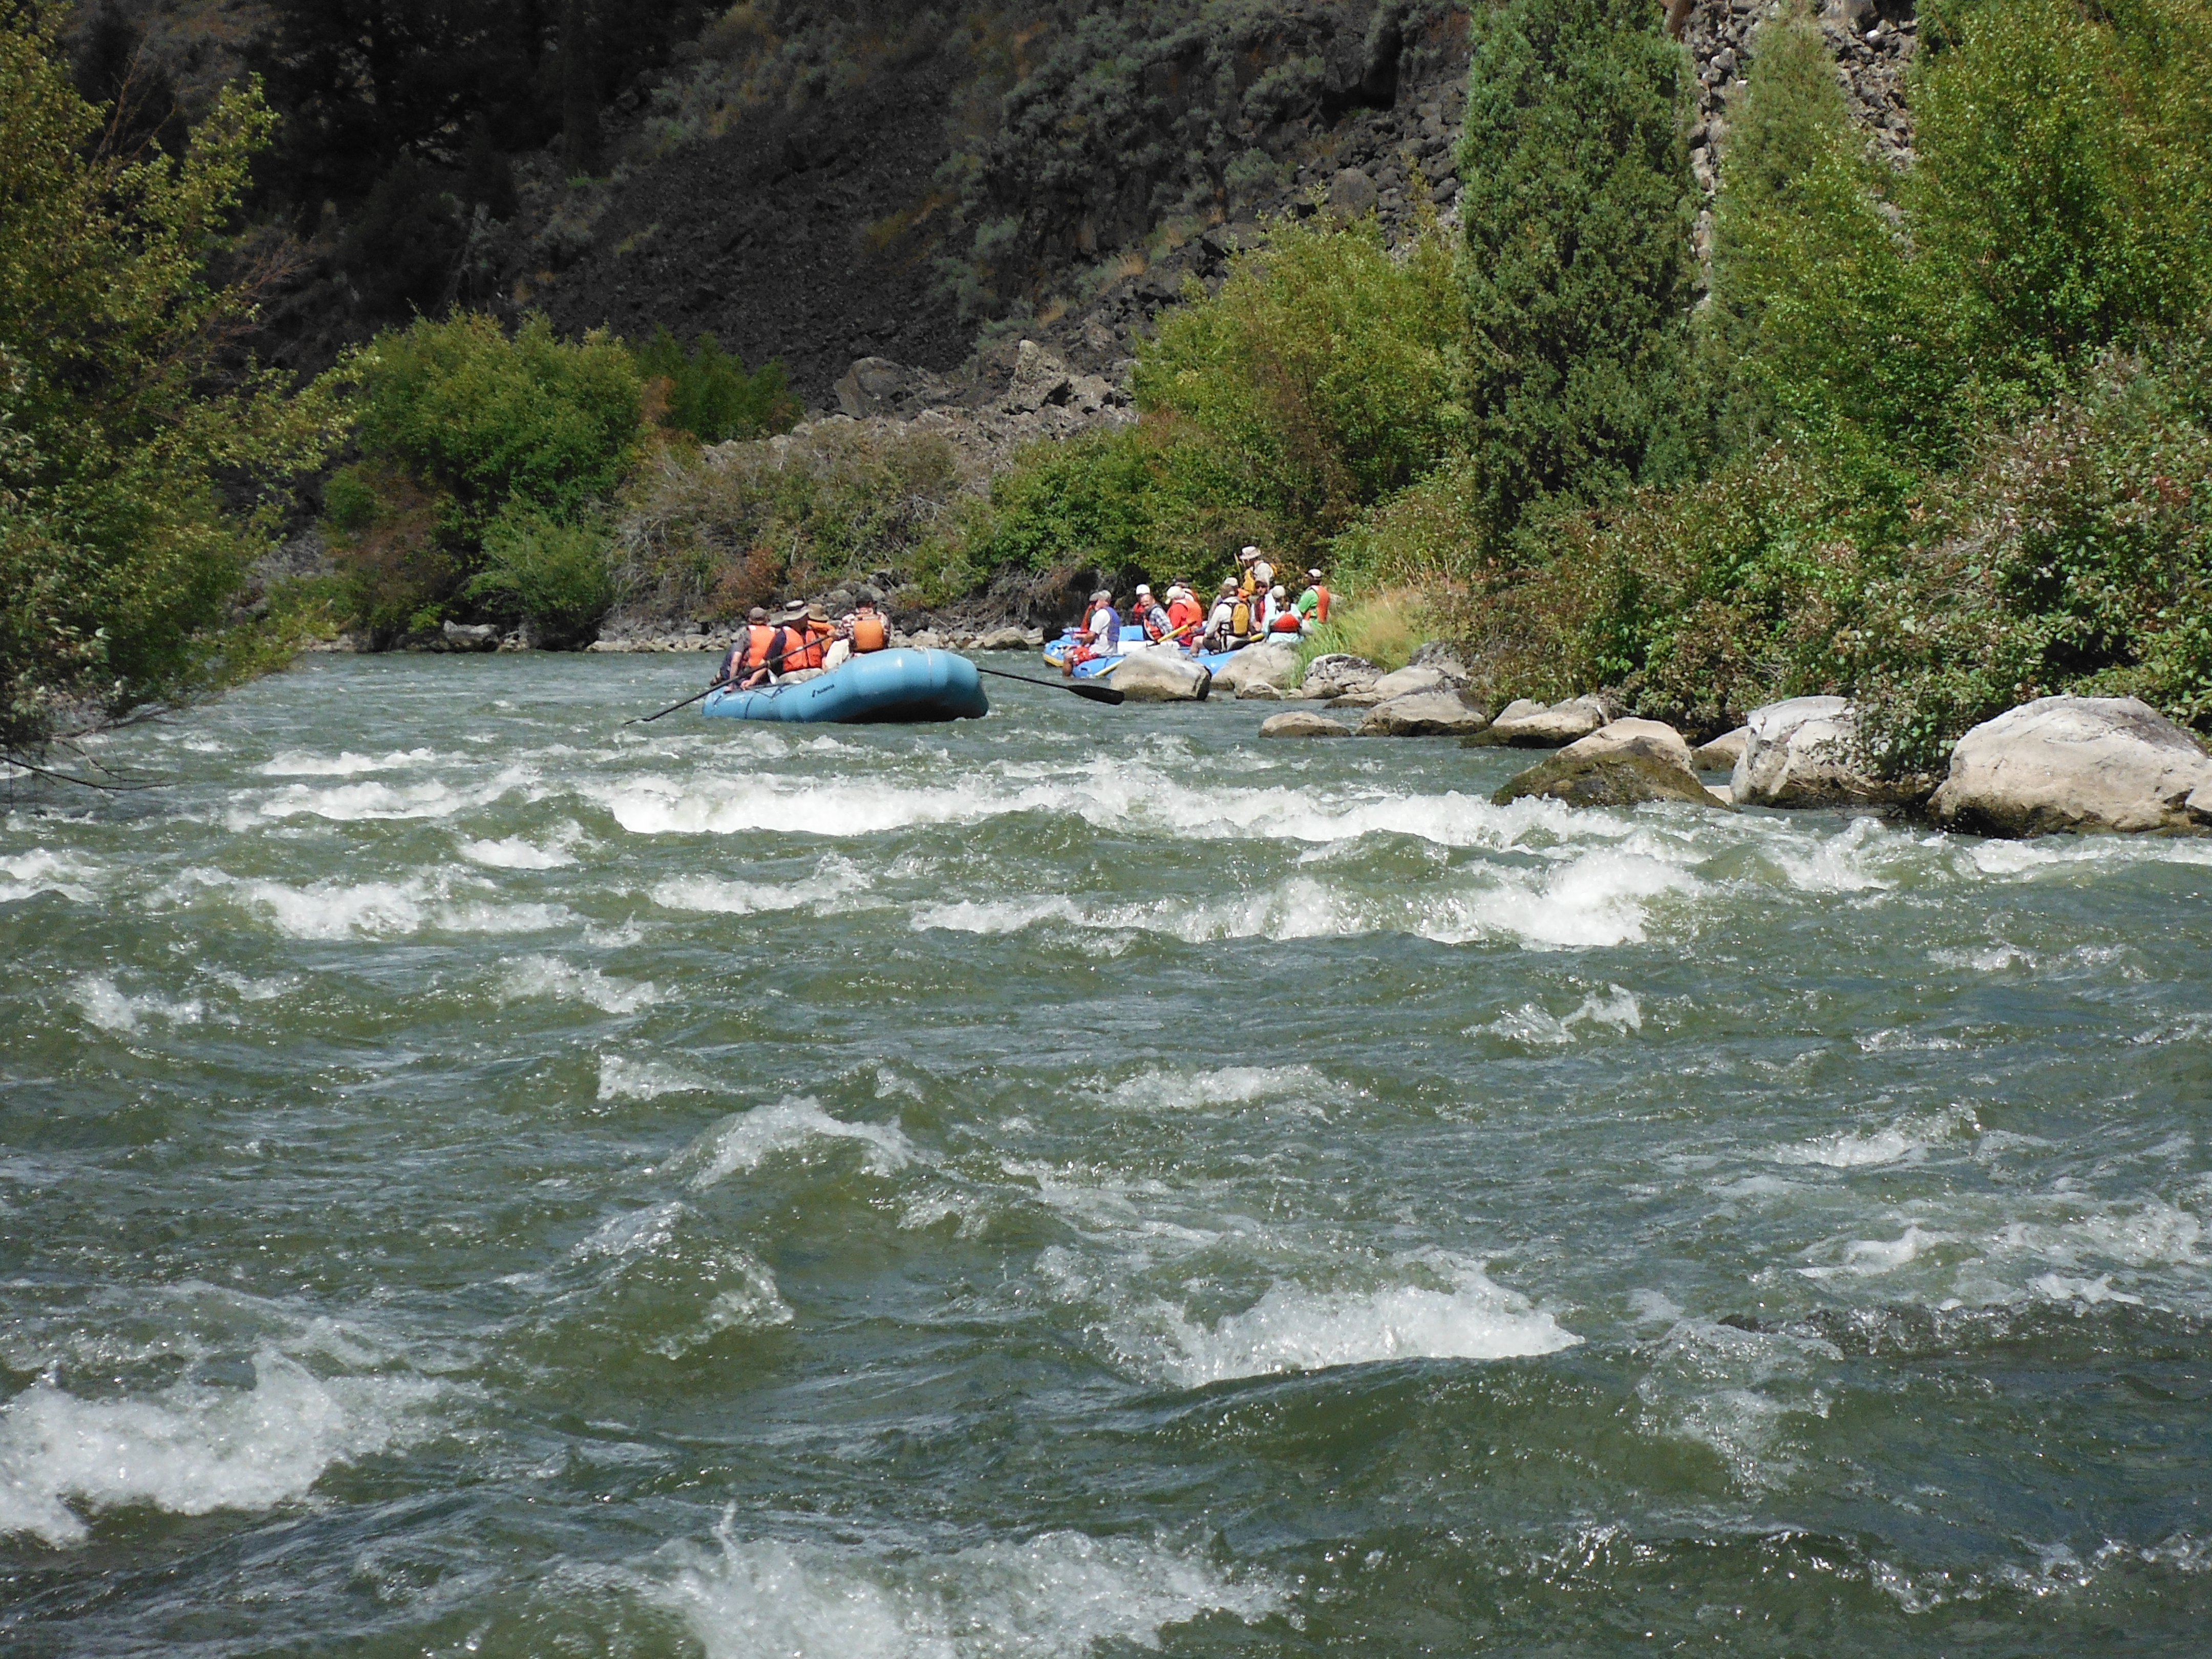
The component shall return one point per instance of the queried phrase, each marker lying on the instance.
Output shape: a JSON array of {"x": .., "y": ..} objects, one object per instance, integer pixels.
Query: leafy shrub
[
  {"x": 703, "y": 532},
  {"x": 555, "y": 575},
  {"x": 1326, "y": 374},
  {"x": 459, "y": 423},
  {"x": 142, "y": 463},
  {"x": 708, "y": 393}
]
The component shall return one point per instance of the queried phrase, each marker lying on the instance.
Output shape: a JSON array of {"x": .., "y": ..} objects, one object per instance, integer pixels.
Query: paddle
[
  {"x": 1105, "y": 694},
  {"x": 796, "y": 645}
]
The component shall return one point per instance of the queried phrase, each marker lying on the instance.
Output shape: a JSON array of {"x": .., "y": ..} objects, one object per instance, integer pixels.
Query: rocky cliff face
[{"x": 892, "y": 216}]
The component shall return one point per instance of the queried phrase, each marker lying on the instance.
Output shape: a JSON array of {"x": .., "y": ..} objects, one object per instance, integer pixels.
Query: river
[{"x": 476, "y": 1177}]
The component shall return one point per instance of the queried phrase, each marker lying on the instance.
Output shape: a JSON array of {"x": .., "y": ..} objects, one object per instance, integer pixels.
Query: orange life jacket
[
  {"x": 869, "y": 633},
  {"x": 805, "y": 646},
  {"x": 1286, "y": 623},
  {"x": 1181, "y": 613},
  {"x": 760, "y": 645},
  {"x": 1320, "y": 603}
]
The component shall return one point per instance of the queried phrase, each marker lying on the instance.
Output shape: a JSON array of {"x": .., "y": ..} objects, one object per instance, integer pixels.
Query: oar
[
  {"x": 1105, "y": 694},
  {"x": 799, "y": 645}
]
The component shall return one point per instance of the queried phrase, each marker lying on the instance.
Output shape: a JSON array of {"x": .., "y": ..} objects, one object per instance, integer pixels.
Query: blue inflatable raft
[
  {"x": 1056, "y": 653},
  {"x": 881, "y": 685}
]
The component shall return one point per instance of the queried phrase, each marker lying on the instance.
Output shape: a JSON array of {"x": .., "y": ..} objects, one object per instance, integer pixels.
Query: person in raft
[
  {"x": 860, "y": 631},
  {"x": 1313, "y": 604},
  {"x": 808, "y": 632},
  {"x": 747, "y": 665},
  {"x": 1259, "y": 575},
  {"x": 1102, "y": 632},
  {"x": 1281, "y": 616},
  {"x": 1186, "y": 615},
  {"x": 1151, "y": 615},
  {"x": 1230, "y": 626}
]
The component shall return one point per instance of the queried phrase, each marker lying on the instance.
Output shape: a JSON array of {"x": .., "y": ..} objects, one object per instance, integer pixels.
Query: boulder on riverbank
[
  {"x": 1336, "y": 672},
  {"x": 1722, "y": 754},
  {"x": 1621, "y": 764},
  {"x": 2061, "y": 765},
  {"x": 1300, "y": 723},
  {"x": 1404, "y": 681},
  {"x": 1158, "y": 677},
  {"x": 1445, "y": 712},
  {"x": 1269, "y": 664},
  {"x": 1804, "y": 752},
  {"x": 1526, "y": 724}
]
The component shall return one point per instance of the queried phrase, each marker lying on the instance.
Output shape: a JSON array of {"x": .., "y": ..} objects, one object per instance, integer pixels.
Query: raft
[
  {"x": 1056, "y": 653},
  {"x": 878, "y": 686}
]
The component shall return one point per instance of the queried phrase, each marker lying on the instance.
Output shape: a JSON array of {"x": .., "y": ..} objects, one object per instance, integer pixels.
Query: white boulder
[
  {"x": 1445, "y": 712},
  {"x": 1804, "y": 752},
  {"x": 1301, "y": 723},
  {"x": 1404, "y": 681},
  {"x": 1562, "y": 723},
  {"x": 1335, "y": 672},
  {"x": 1158, "y": 677},
  {"x": 1268, "y": 664},
  {"x": 2076, "y": 764}
]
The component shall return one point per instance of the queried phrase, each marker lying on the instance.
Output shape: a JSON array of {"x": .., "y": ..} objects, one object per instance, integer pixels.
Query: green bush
[
  {"x": 460, "y": 423},
  {"x": 144, "y": 464},
  {"x": 555, "y": 575},
  {"x": 1326, "y": 374},
  {"x": 708, "y": 393},
  {"x": 1577, "y": 201},
  {"x": 708, "y": 535}
]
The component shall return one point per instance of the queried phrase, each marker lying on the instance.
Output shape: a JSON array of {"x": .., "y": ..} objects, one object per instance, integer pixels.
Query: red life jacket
[{"x": 1286, "y": 623}]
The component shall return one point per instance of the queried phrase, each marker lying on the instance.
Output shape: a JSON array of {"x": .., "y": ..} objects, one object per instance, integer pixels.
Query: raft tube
[{"x": 877, "y": 686}]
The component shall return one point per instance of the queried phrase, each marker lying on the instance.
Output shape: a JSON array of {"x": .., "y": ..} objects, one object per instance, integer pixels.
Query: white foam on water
[
  {"x": 1292, "y": 1328},
  {"x": 1862, "y": 1257},
  {"x": 193, "y": 1449},
  {"x": 835, "y": 882},
  {"x": 1532, "y": 1024},
  {"x": 111, "y": 1010},
  {"x": 300, "y": 763},
  {"x": 744, "y": 1140},
  {"x": 1909, "y": 1137},
  {"x": 1736, "y": 1391},
  {"x": 254, "y": 990},
  {"x": 1595, "y": 900},
  {"x": 376, "y": 801},
  {"x": 549, "y": 976},
  {"x": 1867, "y": 856},
  {"x": 753, "y": 1303},
  {"x": 1228, "y": 1086},
  {"x": 622, "y": 1078},
  {"x": 1059, "y": 1595},
  {"x": 634, "y": 1232},
  {"x": 385, "y": 909},
  {"x": 42, "y": 871},
  {"x": 2067, "y": 854},
  {"x": 514, "y": 852}
]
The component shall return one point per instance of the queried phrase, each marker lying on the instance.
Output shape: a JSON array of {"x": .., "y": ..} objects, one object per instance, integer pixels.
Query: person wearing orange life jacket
[
  {"x": 1313, "y": 604},
  {"x": 868, "y": 630},
  {"x": 747, "y": 664},
  {"x": 806, "y": 633}
]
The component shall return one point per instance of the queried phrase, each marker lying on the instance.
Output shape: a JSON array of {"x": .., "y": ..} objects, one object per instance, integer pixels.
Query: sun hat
[
  {"x": 757, "y": 614},
  {"x": 792, "y": 611},
  {"x": 816, "y": 613},
  {"x": 1276, "y": 592},
  {"x": 1249, "y": 553}
]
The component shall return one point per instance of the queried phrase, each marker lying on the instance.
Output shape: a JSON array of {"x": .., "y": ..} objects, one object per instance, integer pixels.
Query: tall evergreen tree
[{"x": 1578, "y": 204}]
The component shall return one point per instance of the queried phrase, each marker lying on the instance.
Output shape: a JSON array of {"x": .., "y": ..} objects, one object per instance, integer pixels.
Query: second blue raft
[{"x": 879, "y": 686}]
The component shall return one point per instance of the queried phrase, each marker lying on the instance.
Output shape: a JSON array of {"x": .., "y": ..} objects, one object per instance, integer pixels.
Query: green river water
[{"x": 476, "y": 1178}]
